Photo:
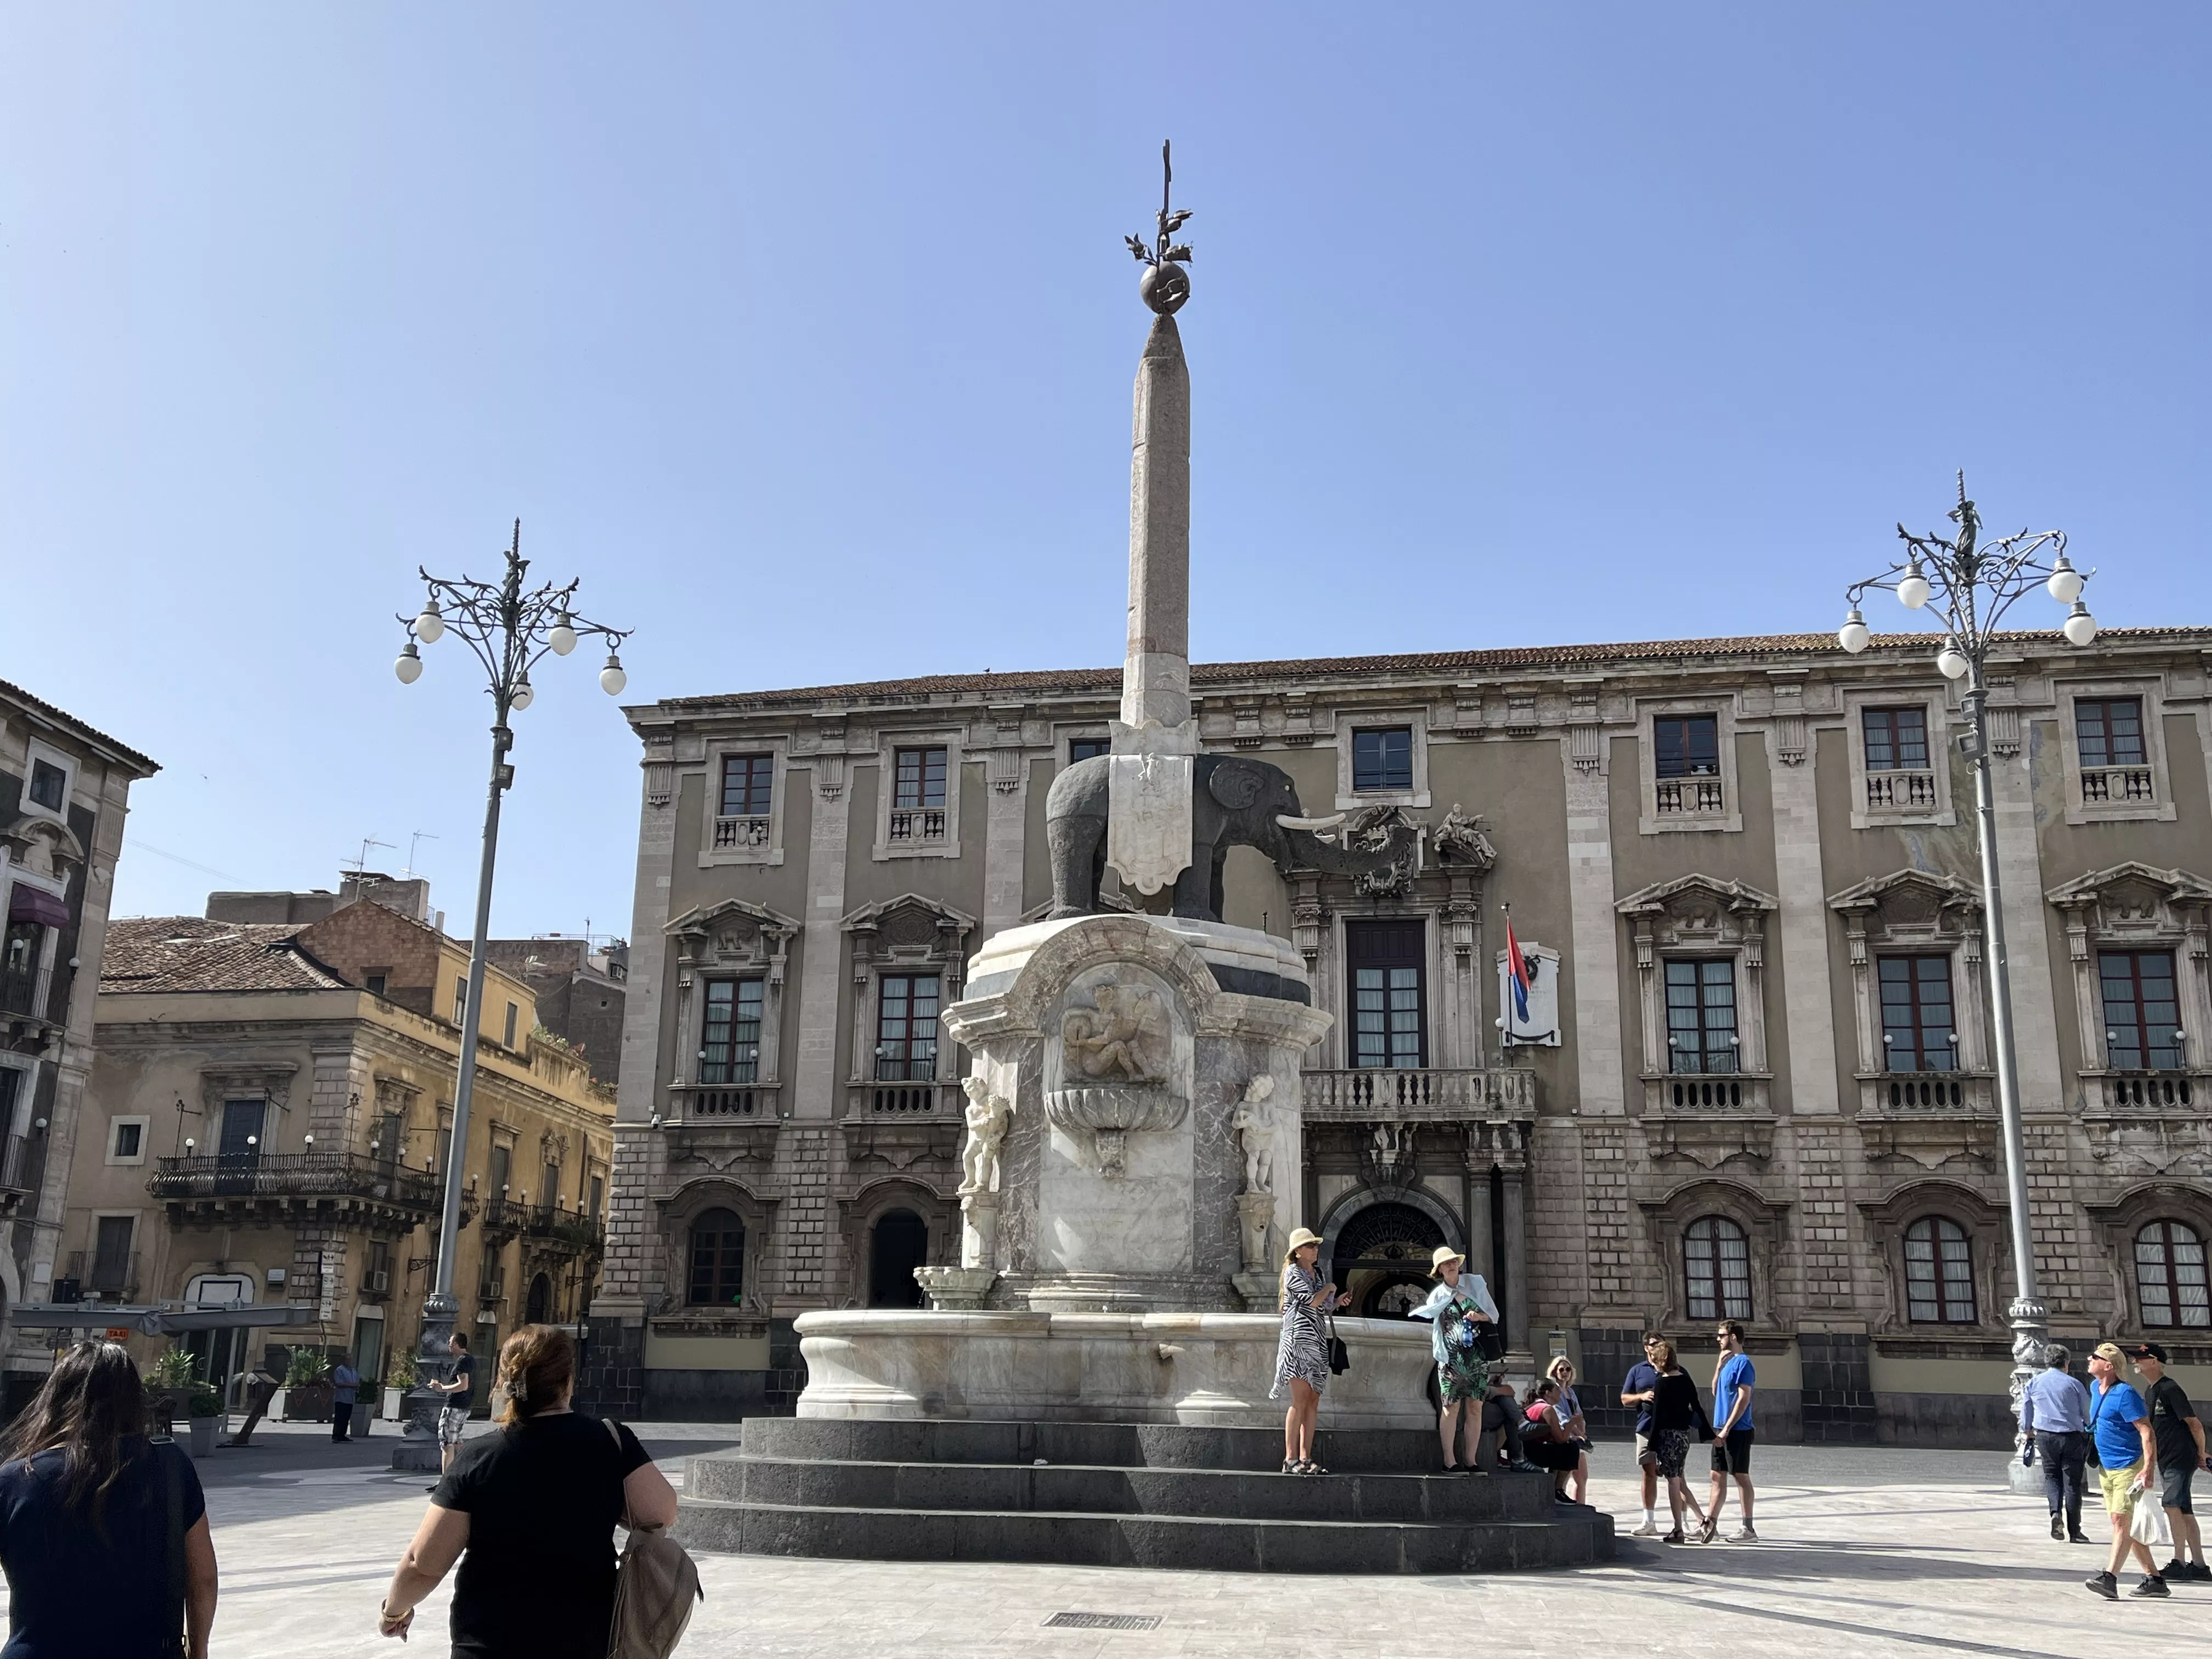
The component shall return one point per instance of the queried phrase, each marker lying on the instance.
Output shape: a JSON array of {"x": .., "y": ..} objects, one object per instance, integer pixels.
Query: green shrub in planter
[
  {"x": 400, "y": 1373},
  {"x": 204, "y": 1402},
  {"x": 306, "y": 1365},
  {"x": 174, "y": 1370}
]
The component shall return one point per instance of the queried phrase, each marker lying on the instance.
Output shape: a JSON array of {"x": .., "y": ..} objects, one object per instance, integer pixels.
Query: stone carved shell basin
[{"x": 1104, "y": 1113}]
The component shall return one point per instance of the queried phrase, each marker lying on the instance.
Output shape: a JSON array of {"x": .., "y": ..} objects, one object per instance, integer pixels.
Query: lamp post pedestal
[
  {"x": 2031, "y": 1334},
  {"x": 418, "y": 1449}
]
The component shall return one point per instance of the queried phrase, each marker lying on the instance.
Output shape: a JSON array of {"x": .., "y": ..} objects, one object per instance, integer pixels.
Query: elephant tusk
[{"x": 1329, "y": 822}]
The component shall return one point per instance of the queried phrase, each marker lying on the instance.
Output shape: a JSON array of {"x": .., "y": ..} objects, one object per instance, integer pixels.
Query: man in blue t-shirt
[
  {"x": 2119, "y": 1426},
  {"x": 1732, "y": 1386},
  {"x": 1639, "y": 1389}
]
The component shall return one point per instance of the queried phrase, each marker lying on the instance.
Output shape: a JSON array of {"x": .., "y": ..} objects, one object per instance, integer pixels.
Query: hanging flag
[{"x": 1523, "y": 970}]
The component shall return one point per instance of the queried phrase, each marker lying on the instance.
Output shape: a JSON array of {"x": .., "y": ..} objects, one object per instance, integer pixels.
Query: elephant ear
[{"x": 1236, "y": 783}]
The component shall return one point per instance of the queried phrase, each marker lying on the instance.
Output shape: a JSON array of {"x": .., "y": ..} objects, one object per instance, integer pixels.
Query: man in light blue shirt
[
  {"x": 1732, "y": 1386},
  {"x": 2054, "y": 1416}
]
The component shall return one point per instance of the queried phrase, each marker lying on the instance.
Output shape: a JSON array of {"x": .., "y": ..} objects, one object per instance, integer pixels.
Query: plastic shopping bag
[{"x": 2149, "y": 1525}]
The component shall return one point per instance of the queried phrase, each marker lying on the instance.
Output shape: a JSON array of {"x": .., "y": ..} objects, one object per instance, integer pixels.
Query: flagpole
[{"x": 1513, "y": 968}]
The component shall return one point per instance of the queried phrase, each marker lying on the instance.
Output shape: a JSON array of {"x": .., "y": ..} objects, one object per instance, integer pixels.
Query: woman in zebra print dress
[{"x": 1302, "y": 1357}]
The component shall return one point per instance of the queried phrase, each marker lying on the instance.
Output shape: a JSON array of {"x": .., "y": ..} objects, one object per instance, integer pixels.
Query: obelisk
[{"x": 1149, "y": 779}]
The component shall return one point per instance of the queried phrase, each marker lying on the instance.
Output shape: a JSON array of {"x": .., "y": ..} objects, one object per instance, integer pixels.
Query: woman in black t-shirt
[
  {"x": 535, "y": 1508},
  {"x": 104, "y": 1534}
]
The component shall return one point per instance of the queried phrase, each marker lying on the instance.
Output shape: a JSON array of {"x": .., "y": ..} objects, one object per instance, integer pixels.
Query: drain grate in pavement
[{"x": 1103, "y": 1621}]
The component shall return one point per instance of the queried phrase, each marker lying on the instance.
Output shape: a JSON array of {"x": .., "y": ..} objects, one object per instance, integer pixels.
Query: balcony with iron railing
[
  {"x": 919, "y": 826},
  {"x": 2111, "y": 786},
  {"x": 246, "y": 1176},
  {"x": 1688, "y": 797},
  {"x": 1900, "y": 791},
  {"x": 1436, "y": 1093},
  {"x": 741, "y": 833},
  {"x": 21, "y": 1165},
  {"x": 19, "y": 992}
]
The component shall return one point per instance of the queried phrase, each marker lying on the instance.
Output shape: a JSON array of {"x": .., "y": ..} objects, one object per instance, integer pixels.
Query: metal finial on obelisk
[
  {"x": 1165, "y": 284},
  {"x": 1148, "y": 821}
]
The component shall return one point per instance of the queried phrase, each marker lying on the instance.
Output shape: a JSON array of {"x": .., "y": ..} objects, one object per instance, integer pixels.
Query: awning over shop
[{"x": 29, "y": 903}]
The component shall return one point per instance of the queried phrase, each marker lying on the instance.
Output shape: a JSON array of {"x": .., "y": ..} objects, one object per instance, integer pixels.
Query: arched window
[
  {"x": 1939, "y": 1273},
  {"x": 2170, "y": 1276},
  {"x": 718, "y": 1260},
  {"x": 898, "y": 1244},
  {"x": 1716, "y": 1269},
  {"x": 540, "y": 1307}
]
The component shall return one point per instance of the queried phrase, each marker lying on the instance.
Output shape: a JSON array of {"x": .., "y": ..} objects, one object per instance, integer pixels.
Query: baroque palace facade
[{"x": 1754, "y": 1080}]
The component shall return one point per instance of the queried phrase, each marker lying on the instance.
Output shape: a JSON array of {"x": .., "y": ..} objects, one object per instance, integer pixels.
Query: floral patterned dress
[
  {"x": 1304, "y": 1351},
  {"x": 1462, "y": 1373}
]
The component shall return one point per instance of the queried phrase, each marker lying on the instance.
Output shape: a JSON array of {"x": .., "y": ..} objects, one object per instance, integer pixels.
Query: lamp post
[
  {"x": 1969, "y": 585},
  {"x": 509, "y": 631}
]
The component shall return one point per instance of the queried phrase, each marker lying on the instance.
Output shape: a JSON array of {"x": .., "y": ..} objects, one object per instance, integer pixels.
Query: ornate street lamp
[
  {"x": 1968, "y": 587},
  {"x": 509, "y": 631}
]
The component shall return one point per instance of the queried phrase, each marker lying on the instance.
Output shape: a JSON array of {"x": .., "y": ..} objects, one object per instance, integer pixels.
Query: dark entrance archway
[
  {"x": 1383, "y": 1258},
  {"x": 540, "y": 1310},
  {"x": 898, "y": 1244}
]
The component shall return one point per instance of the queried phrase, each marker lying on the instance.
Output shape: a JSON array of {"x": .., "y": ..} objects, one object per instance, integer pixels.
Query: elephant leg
[
  {"x": 1075, "y": 843},
  {"x": 1220, "y": 893},
  {"x": 1194, "y": 887}
]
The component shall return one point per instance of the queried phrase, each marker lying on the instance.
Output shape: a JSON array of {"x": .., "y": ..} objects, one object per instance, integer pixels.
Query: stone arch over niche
[
  {"x": 1985, "y": 1224},
  {"x": 2118, "y": 1223},
  {"x": 1765, "y": 1224},
  {"x": 859, "y": 1215},
  {"x": 686, "y": 1206},
  {"x": 540, "y": 1306},
  {"x": 1396, "y": 1232}
]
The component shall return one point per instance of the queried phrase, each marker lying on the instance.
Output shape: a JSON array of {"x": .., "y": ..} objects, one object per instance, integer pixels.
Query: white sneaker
[
  {"x": 1649, "y": 1529},
  {"x": 1743, "y": 1535}
]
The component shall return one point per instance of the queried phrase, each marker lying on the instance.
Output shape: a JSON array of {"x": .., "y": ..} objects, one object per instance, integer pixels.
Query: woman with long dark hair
[
  {"x": 100, "y": 1524},
  {"x": 535, "y": 1508}
]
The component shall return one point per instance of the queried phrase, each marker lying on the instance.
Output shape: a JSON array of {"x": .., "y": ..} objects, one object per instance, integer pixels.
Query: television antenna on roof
[
  {"x": 415, "y": 841},
  {"x": 360, "y": 864}
]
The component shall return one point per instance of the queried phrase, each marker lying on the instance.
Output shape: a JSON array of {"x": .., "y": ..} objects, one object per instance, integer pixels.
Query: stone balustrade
[{"x": 1439, "y": 1093}]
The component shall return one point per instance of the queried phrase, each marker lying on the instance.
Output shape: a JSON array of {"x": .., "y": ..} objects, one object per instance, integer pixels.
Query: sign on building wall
[
  {"x": 218, "y": 1289},
  {"x": 1541, "y": 1028}
]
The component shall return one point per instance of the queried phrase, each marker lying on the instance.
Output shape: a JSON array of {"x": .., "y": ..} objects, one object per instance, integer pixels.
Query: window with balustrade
[
  {"x": 1899, "y": 777},
  {"x": 1701, "y": 1025},
  {"x": 717, "y": 1241},
  {"x": 2110, "y": 740},
  {"x": 1919, "y": 1031},
  {"x": 918, "y": 809},
  {"x": 2169, "y": 1281},
  {"x": 1939, "y": 1273},
  {"x": 1716, "y": 1269},
  {"x": 730, "y": 1031},
  {"x": 1386, "y": 961},
  {"x": 2143, "y": 1010},
  {"x": 744, "y": 819},
  {"x": 1687, "y": 751},
  {"x": 905, "y": 1027}
]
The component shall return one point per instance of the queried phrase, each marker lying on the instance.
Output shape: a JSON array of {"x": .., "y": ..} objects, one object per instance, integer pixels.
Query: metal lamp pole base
[
  {"x": 2031, "y": 1334},
  {"x": 417, "y": 1449}
]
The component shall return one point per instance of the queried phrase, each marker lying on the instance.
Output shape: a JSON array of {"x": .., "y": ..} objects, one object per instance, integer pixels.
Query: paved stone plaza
[{"x": 1867, "y": 1552}]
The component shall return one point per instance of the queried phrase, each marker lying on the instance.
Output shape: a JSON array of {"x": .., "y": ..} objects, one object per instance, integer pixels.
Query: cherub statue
[
  {"x": 987, "y": 1116},
  {"x": 1108, "y": 1040},
  {"x": 1254, "y": 1123}
]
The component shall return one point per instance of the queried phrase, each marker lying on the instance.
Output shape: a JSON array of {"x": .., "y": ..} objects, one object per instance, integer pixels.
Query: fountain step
[
  {"x": 1230, "y": 1494},
  {"x": 1573, "y": 1537},
  {"x": 1124, "y": 1445}
]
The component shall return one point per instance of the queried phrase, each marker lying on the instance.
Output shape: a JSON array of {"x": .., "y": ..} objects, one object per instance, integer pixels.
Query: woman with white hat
[
  {"x": 1302, "y": 1357},
  {"x": 1458, "y": 1308}
]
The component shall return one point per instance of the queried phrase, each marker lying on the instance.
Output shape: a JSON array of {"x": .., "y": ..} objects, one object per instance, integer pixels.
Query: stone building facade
[
  {"x": 1754, "y": 1079},
  {"x": 270, "y": 1119},
  {"x": 64, "y": 789}
]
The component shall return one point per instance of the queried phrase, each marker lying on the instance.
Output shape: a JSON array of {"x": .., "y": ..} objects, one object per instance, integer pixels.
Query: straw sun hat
[
  {"x": 1445, "y": 1252},
  {"x": 1299, "y": 1240}
]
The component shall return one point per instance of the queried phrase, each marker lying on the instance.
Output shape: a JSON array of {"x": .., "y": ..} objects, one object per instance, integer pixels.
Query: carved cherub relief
[
  {"x": 988, "y": 1114},
  {"x": 1116, "y": 1038},
  {"x": 1255, "y": 1125}
]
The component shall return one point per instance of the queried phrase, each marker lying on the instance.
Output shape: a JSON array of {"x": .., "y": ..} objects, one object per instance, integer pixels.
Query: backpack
[{"x": 655, "y": 1587}]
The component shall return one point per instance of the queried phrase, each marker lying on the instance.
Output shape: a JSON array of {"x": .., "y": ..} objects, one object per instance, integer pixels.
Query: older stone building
[
  {"x": 64, "y": 789},
  {"x": 270, "y": 1119},
  {"x": 1753, "y": 1080}
]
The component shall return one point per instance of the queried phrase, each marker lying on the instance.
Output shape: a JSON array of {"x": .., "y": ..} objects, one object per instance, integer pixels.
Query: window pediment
[
  {"x": 1911, "y": 906},
  {"x": 1696, "y": 910},
  {"x": 2135, "y": 898},
  {"x": 735, "y": 934},
  {"x": 44, "y": 846},
  {"x": 910, "y": 928}
]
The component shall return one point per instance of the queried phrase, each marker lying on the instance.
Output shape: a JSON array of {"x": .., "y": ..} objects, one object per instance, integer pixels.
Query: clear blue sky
[{"x": 804, "y": 336}]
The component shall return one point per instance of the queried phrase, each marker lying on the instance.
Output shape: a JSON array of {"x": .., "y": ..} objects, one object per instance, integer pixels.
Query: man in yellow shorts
[{"x": 2119, "y": 1428}]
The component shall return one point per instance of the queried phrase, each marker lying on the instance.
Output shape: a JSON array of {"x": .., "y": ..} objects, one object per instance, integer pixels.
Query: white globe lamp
[
  {"x": 1853, "y": 636},
  {"x": 1951, "y": 661},
  {"x": 611, "y": 678},
  {"x": 410, "y": 665},
  {"x": 2065, "y": 583},
  {"x": 563, "y": 639},
  {"x": 429, "y": 627},
  {"x": 1912, "y": 591},
  {"x": 524, "y": 695},
  {"x": 2080, "y": 627}
]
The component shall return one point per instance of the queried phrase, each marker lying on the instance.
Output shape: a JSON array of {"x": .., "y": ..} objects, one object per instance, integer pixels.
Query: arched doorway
[
  {"x": 1383, "y": 1258},
  {"x": 540, "y": 1308},
  {"x": 897, "y": 1245}
]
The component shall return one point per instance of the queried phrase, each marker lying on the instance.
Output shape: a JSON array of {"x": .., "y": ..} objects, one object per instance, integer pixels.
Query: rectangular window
[
  {"x": 445, "y": 1145},
  {"x": 918, "y": 779},
  {"x": 513, "y": 1015},
  {"x": 2142, "y": 1015},
  {"x": 376, "y": 1271},
  {"x": 906, "y": 1027},
  {"x": 1382, "y": 758},
  {"x": 2109, "y": 731},
  {"x": 1084, "y": 749},
  {"x": 1896, "y": 739},
  {"x": 551, "y": 1189},
  {"x": 748, "y": 782},
  {"x": 111, "y": 1254},
  {"x": 241, "y": 1130},
  {"x": 1686, "y": 746},
  {"x": 18, "y": 966},
  {"x": 49, "y": 785},
  {"x": 461, "y": 1003},
  {"x": 376, "y": 984},
  {"x": 1701, "y": 1034},
  {"x": 503, "y": 1170},
  {"x": 598, "y": 1195},
  {"x": 1917, "y": 1032},
  {"x": 130, "y": 1138},
  {"x": 1388, "y": 1002},
  {"x": 729, "y": 1043},
  {"x": 386, "y": 1139}
]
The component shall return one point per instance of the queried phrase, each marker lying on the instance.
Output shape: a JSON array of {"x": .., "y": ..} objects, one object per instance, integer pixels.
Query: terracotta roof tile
[
  {"x": 190, "y": 953},
  {"x": 1459, "y": 663},
  {"x": 90, "y": 734}
]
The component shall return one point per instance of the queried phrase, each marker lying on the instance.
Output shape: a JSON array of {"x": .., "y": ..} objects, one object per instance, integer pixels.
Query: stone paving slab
[{"x": 1867, "y": 1552}]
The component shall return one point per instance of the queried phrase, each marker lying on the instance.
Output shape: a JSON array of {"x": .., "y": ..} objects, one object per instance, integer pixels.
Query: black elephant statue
[{"x": 1235, "y": 802}]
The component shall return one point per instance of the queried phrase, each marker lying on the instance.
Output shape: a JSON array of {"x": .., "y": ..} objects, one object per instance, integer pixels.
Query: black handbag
[
  {"x": 1488, "y": 1338},
  {"x": 1340, "y": 1357}
]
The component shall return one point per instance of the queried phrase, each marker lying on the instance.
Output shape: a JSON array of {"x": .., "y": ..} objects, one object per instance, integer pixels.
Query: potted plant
[
  {"x": 398, "y": 1377},
  {"x": 307, "y": 1388},
  {"x": 169, "y": 1381},
  {"x": 204, "y": 1403}
]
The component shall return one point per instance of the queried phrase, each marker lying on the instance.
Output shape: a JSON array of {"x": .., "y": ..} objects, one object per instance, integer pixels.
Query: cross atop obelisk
[{"x": 1148, "y": 783}]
